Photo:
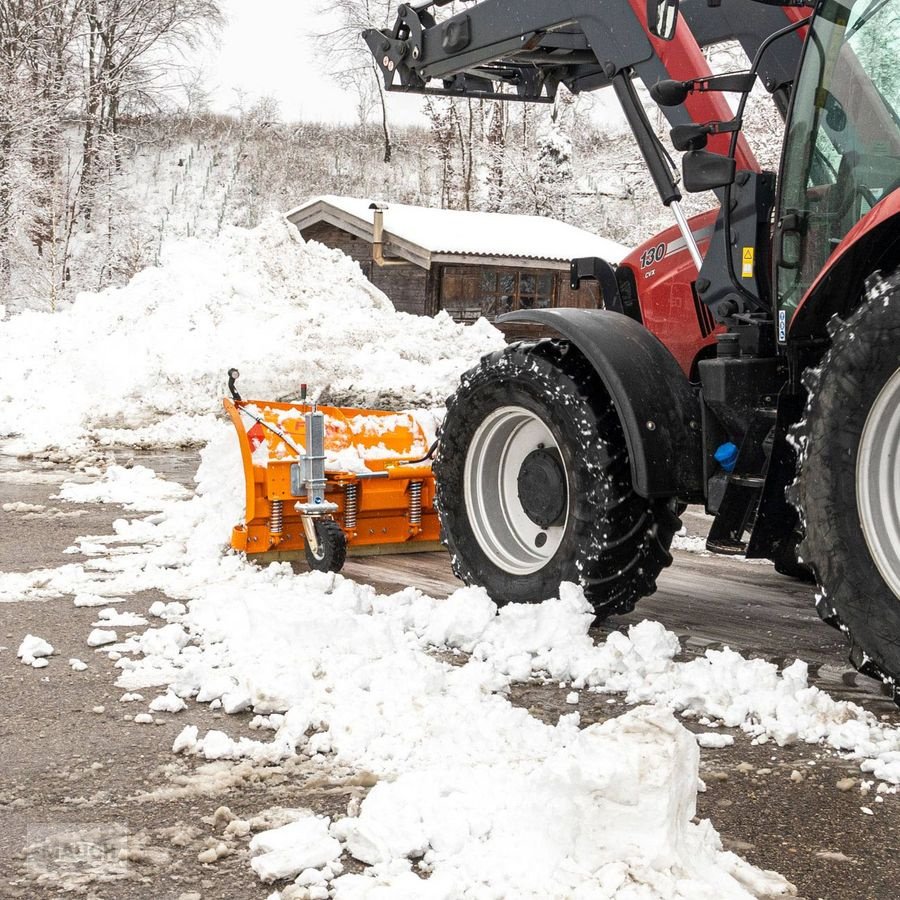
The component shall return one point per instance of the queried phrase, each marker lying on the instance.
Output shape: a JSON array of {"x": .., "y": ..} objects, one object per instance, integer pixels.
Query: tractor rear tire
[
  {"x": 534, "y": 484},
  {"x": 849, "y": 474}
]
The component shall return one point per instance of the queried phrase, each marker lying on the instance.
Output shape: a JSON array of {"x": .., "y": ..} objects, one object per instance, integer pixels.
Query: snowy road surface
[{"x": 93, "y": 799}]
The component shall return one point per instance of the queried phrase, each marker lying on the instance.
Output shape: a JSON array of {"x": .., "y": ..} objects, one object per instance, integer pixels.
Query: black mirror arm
[{"x": 694, "y": 137}]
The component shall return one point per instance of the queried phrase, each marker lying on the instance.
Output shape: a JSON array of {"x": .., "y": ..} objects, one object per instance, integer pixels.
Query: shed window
[{"x": 470, "y": 292}]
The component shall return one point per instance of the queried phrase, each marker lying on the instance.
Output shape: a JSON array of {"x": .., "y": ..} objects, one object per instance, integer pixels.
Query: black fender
[
  {"x": 658, "y": 407},
  {"x": 599, "y": 270}
]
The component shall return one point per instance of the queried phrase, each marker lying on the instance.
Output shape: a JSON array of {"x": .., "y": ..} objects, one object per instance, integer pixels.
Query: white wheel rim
[
  {"x": 504, "y": 531},
  {"x": 878, "y": 482}
]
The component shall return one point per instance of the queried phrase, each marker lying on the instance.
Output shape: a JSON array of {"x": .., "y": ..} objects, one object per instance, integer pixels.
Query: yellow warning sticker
[{"x": 749, "y": 259}]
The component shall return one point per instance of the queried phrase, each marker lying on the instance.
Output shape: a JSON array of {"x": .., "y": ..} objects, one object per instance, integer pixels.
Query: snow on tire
[
  {"x": 534, "y": 484},
  {"x": 848, "y": 484}
]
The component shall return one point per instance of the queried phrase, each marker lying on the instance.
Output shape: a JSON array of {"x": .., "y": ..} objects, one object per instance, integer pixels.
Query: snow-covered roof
[{"x": 453, "y": 233}]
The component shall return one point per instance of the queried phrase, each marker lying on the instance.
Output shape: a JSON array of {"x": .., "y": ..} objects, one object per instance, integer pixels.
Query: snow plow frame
[{"x": 387, "y": 510}]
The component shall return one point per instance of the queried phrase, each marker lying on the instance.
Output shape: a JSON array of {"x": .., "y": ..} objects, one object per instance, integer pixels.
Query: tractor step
[
  {"x": 748, "y": 481},
  {"x": 736, "y": 514}
]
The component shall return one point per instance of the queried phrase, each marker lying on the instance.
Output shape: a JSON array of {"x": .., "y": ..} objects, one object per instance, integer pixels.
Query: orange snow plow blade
[{"x": 375, "y": 471}]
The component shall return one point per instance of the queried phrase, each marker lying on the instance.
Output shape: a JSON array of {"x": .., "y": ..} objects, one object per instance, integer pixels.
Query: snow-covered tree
[
  {"x": 129, "y": 46},
  {"x": 351, "y": 63}
]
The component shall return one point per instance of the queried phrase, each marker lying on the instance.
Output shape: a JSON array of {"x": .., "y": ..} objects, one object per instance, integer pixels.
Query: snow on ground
[
  {"x": 470, "y": 789},
  {"x": 690, "y": 543},
  {"x": 137, "y": 489},
  {"x": 280, "y": 310}
]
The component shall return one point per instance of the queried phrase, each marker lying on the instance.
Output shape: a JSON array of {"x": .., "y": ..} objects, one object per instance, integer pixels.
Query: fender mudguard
[
  {"x": 873, "y": 243},
  {"x": 658, "y": 408}
]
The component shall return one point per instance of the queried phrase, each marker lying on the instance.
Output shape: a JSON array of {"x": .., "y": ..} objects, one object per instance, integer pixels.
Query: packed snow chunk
[
  {"x": 216, "y": 686},
  {"x": 885, "y": 767},
  {"x": 286, "y": 851},
  {"x": 163, "y": 370},
  {"x": 216, "y": 745},
  {"x": 77, "y": 665},
  {"x": 166, "y": 642},
  {"x": 169, "y": 702},
  {"x": 160, "y": 610},
  {"x": 34, "y": 649},
  {"x": 235, "y": 702},
  {"x": 99, "y": 637},
  {"x": 712, "y": 740},
  {"x": 186, "y": 741},
  {"x": 95, "y": 600},
  {"x": 459, "y": 621},
  {"x": 137, "y": 489},
  {"x": 527, "y": 638},
  {"x": 611, "y": 806},
  {"x": 112, "y": 618}
]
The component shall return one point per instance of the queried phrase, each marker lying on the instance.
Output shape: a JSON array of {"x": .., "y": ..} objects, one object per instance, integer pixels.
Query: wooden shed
[{"x": 470, "y": 264}]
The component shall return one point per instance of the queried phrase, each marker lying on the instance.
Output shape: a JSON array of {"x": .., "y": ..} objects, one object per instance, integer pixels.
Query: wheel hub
[
  {"x": 878, "y": 482},
  {"x": 542, "y": 487},
  {"x": 515, "y": 480}
]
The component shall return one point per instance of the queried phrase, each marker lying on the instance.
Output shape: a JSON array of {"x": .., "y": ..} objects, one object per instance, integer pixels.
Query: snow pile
[
  {"x": 552, "y": 640},
  {"x": 606, "y": 812},
  {"x": 280, "y": 310},
  {"x": 258, "y": 636},
  {"x": 327, "y": 656}
]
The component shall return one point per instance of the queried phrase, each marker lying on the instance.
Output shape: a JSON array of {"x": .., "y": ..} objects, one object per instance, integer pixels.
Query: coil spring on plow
[
  {"x": 276, "y": 517},
  {"x": 351, "y": 506},
  {"x": 415, "y": 503}
]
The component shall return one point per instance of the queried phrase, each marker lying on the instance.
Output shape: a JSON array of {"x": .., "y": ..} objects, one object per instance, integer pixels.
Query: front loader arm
[
  {"x": 524, "y": 49},
  {"x": 530, "y": 46}
]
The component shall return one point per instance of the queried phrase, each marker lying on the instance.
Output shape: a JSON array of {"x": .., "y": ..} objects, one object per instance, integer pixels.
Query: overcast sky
[{"x": 268, "y": 47}]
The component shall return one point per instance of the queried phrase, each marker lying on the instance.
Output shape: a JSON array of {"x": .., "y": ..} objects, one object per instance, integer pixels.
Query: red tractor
[{"x": 747, "y": 359}]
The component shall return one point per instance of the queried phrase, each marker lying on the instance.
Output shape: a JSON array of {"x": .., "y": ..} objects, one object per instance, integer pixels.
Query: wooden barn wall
[
  {"x": 407, "y": 286},
  {"x": 460, "y": 287},
  {"x": 586, "y": 297},
  {"x": 415, "y": 290}
]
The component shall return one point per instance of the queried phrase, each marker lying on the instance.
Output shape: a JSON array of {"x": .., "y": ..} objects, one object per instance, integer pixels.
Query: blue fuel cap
[{"x": 726, "y": 456}]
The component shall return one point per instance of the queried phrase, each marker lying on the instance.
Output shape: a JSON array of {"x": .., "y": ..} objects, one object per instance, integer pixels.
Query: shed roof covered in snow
[{"x": 425, "y": 236}]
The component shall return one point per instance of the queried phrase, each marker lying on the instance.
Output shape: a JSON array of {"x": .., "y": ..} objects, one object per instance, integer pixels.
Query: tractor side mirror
[
  {"x": 705, "y": 171},
  {"x": 662, "y": 17},
  {"x": 835, "y": 117}
]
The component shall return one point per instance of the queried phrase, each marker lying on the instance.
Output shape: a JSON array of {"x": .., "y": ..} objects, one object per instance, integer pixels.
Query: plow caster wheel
[{"x": 332, "y": 547}]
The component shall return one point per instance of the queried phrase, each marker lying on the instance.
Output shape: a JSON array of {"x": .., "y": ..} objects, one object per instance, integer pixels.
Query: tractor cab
[{"x": 842, "y": 148}]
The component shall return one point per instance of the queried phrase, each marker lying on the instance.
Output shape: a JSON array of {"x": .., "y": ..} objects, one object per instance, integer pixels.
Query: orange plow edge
[{"x": 378, "y": 484}]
